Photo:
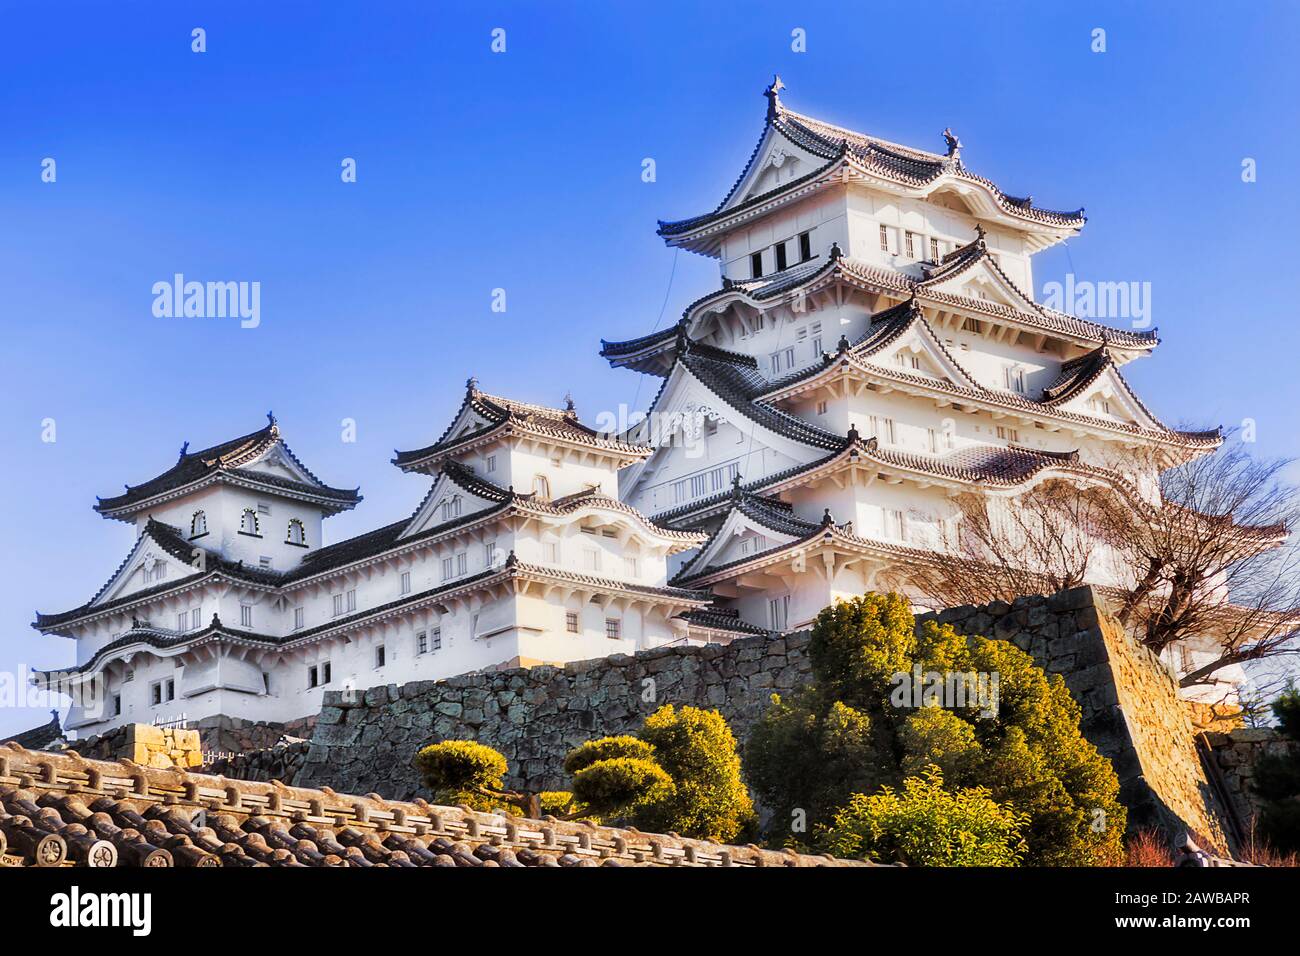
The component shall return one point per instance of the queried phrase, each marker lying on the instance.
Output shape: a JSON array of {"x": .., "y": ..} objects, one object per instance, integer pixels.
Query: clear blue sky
[{"x": 522, "y": 171}]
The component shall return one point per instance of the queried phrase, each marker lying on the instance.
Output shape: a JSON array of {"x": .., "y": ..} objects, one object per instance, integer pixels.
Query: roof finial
[
  {"x": 185, "y": 447},
  {"x": 836, "y": 252},
  {"x": 853, "y": 434},
  {"x": 954, "y": 144},
  {"x": 736, "y": 491},
  {"x": 568, "y": 403},
  {"x": 979, "y": 232},
  {"x": 843, "y": 345},
  {"x": 773, "y": 94},
  {"x": 471, "y": 384},
  {"x": 827, "y": 520}
]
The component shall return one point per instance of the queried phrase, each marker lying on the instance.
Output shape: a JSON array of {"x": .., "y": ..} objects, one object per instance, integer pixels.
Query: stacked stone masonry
[{"x": 1130, "y": 708}]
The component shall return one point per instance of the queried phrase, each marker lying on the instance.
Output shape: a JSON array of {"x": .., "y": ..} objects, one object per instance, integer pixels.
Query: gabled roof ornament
[
  {"x": 569, "y": 407},
  {"x": 773, "y": 94},
  {"x": 185, "y": 449},
  {"x": 471, "y": 384},
  {"x": 836, "y": 252},
  {"x": 843, "y": 345},
  {"x": 979, "y": 233},
  {"x": 827, "y": 520},
  {"x": 736, "y": 491},
  {"x": 512, "y": 559},
  {"x": 270, "y": 418},
  {"x": 853, "y": 435},
  {"x": 954, "y": 145}
]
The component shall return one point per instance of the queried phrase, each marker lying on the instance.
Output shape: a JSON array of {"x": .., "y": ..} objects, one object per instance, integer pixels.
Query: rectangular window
[
  {"x": 909, "y": 240},
  {"x": 298, "y": 615},
  {"x": 313, "y": 676},
  {"x": 934, "y": 440},
  {"x": 821, "y": 407},
  {"x": 972, "y": 325},
  {"x": 435, "y": 639},
  {"x": 489, "y": 554},
  {"x": 245, "y": 615},
  {"x": 352, "y": 600},
  {"x": 155, "y": 693},
  {"x": 884, "y": 238},
  {"x": 338, "y": 604},
  {"x": 406, "y": 582},
  {"x": 162, "y": 691},
  {"x": 780, "y": 256},
  {"x": 196, "y": 618},
  {"x": 778, "y": 612},
  {"x": 817, "y": 346},
  {"x": 325, "y": 673},
  {"x": 1008, "y": 434},
  {"x": 553, "y": 552},
  {"x": 421, "y": 642},
  {"x": 117, "y": 705},
  {"x": 571, "y": 621},
  {"x": 491, "y": 464},
  {"x": 756, "y": 265},
  {"x": 462, "y": 562},
  {"x": 789, "y": 358},
  {"x": 183, "y": 621},
  {"x": 379, "y": 655},
  {"x": 775, "y": 360},
  {"x": 591, "y": 559},
  {"x": 934, "y": 249},
  {"x": 895, "y": 526},
  {"x": 633, "y": 566},
  {"x": 1015, "y": 377},
  {"x": 263, "y": 508},
  {"x": 805, "y": 246},
  {"x": 128, "y": 676},
  {"x": 264, "y": 562},
  {"x": 448, "y": 569},
  {"x": 613, "y": 628}
]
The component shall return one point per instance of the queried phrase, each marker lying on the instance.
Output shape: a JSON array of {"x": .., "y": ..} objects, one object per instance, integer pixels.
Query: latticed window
[{"x": 613, "y": 628}]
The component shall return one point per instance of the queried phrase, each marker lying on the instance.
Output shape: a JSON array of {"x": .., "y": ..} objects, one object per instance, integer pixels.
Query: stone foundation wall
[
  {"x": 1235, "y": 754},
  {"x": 534, "y": 716},
  {"x": 1130, "y": 704},
  {"x": 160, "y": 748},
  {"x": 1131, "y": 709}
]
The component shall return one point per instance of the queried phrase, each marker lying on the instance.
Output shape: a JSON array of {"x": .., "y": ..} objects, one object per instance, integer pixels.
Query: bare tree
[{"x": 1207, "y": 559}]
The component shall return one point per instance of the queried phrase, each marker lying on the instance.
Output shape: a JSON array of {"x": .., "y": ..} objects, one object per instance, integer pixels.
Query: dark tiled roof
[
  {"x": 736, "y": 380},
  {"x": 721, "y": 619},
  {"x": 64, "y": 810},
  {"x": 901, "y": 164},
  {"x": 38, "y": 737},
  {"x": 501, "y": 413},
  {"x": 174, "y": 542},
  {"x": 226, "y": 459}
]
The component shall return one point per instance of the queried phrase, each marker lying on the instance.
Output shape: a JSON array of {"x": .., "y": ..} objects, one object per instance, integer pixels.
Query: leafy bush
[
  {"x": 462, "y": 771},
  {"x": 926, "y": 825},
  {"x": 682, "y": 774},
  {"x": 842, "y": 735},
  {"x": 1277, "y": 780}
]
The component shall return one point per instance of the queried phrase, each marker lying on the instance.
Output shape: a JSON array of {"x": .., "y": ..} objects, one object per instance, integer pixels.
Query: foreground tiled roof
[
  {"x": 224, "y": 461},
  {"x": 60, "y": 809},
  {"x": 503, "y": 414}
]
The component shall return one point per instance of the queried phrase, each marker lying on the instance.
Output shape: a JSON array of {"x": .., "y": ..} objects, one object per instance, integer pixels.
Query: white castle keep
[{"x": 874, "y": 351}]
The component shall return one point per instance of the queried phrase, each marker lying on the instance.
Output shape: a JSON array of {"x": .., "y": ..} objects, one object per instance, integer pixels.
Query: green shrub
[
  {"x": 843, "y": 735},
  {"x": 926, "y": 825},
  {"x": 462, "y": 771},
  {"x": 606, "y": 748},
  {"x": 620, "y": 786}
]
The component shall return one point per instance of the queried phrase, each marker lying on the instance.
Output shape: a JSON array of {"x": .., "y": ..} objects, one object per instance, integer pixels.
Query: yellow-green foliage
[
  {"x": 458, "y": 771},
  {"x": 843, "y": 736},
  {"x": 556, "y": 802},
  {"x": 621, "y": 785},
  {"x": 682, "y": 774},
  {"x": 926, "y": 825},
  {"x": 606, "y": 748}
]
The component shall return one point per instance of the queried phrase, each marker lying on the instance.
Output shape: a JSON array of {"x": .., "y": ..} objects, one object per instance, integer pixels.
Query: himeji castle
[
  {"x": 874, "y": 350},
  {"x": 228, "y": 603}
]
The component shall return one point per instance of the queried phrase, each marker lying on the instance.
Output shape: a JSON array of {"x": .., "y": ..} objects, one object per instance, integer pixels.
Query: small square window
[
  {"x": 613, "y": 628},
  {"x": 263, "y": 508},
  {"x": 313, "y": 676},
  {"x": 422, "y": 642},
  {"x": 435, "y": 639},
  {"x": 265, "y": 562},
  {"x": 571, "y": 621},
  {"x": 821, "y": 408},
  {"x": 491, "y": 463}
]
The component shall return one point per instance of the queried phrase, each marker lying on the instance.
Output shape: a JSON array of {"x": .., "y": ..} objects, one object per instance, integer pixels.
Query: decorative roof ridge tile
[{"x": 424, "y": 830}]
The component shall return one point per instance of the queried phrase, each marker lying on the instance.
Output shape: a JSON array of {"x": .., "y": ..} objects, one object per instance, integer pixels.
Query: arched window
[
  {"x": 296, "y": 533},
  {"x": 198, "y": 524},
  {"x": 542, "y": 487},
  {"x": 248, "y": 523}
]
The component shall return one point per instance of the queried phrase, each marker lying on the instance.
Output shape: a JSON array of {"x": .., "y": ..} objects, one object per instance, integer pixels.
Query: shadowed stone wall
[{"x": 1130, "y": 708}]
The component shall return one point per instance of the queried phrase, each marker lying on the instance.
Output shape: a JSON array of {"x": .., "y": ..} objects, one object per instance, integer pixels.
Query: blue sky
[{"x": 522, "y": 171}]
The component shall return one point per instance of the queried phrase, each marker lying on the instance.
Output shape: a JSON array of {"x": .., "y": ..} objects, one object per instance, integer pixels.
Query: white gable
[
  {"x": 1108, "y": 397},
  {"x": 148, "y": 565},
  {"x": 739, "y": 537},
  {"x": 447, "y": 501},
  {"x": 778, "y": 161}
]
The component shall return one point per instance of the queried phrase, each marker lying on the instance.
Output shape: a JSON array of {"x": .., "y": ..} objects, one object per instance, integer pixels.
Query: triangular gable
[
  {"x": 739, "y": 537},
  {"x": 1109, "y": 396},
  {"x": 276, "y": 460},
  {"x": 981, "y": 279},
  {"x": 683, "y": 407},
  {"x": 776, "y": 161},
  {"x": 921, "y": 353},
  {"x": 140, "y": 570},
  {"x": 446, "y": 502}
]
